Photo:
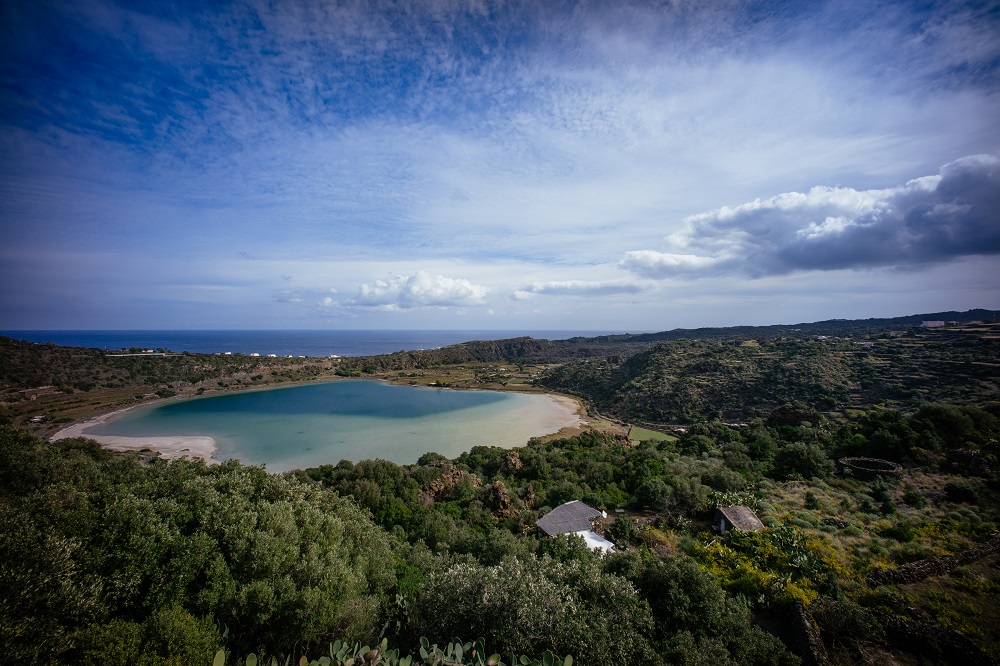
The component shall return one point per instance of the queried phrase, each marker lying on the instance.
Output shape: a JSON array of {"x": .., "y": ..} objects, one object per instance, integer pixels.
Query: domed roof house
[{"x": 576, "y": 518}]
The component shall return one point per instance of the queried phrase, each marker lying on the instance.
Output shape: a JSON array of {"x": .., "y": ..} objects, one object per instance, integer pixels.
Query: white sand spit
[{"x": 169, "y": 447}]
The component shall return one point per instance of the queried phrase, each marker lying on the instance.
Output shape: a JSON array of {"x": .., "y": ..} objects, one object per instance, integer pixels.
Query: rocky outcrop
[
  {"x": 511, "y": 462},
  {"x": 498, "y": 501},
  {"x": 441, "y": 487}
]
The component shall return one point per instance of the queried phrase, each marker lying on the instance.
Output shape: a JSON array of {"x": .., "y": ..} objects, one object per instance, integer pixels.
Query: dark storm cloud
[{"x": 928, "y": 220}]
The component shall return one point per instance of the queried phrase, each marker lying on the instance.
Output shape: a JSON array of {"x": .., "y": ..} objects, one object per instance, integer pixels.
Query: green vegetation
[
  {"x": 108, "y": 559},
  {"x": 640, "y": 434},
  {"x": 688, "y": 381}
]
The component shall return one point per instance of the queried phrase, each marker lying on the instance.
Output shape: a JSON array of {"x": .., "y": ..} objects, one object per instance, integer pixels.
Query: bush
[
  {"x": 696, "y": 622},
  {"x": 910, "y": 552},
  {"x": 799, "y": 460},
  {"x": 277, "y": 560},
  {"x": 961, "y": 491},
  {"x": 845, "y": 623},
  {"x": 913, "y": 498},
  {"x": 655, "y": 494},
  {"x": 527, "y": 606},
  {"x": 622, "y": 531},
  {"x": 902, "y": 532}
]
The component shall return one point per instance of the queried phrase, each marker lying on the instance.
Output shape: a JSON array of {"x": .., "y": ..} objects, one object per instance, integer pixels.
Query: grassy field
[{"x": 637, "y": 434}]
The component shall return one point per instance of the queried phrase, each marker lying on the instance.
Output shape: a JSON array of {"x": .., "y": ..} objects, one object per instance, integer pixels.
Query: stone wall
[
  {"x": 932, "y": 641},
  {"x": 921, "y": 569},
  {"x": 810, "y": 643},
  {"x": 869, "y": 468}
]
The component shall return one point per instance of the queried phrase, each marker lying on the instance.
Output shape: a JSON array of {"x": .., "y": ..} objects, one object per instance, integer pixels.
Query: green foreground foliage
[
  {"x": 107, "y": 559},
  {"x": 104, "y": 560}
]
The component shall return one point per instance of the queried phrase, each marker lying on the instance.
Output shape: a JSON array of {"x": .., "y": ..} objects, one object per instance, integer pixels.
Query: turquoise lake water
[{"x": 316, "y": 424}]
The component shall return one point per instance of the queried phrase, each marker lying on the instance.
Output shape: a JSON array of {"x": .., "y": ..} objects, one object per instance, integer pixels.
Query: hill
[{"x": 685, "y": 381}]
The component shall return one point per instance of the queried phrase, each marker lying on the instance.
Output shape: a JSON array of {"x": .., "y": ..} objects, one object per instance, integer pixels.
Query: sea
[{"x": 311, "y": 343}]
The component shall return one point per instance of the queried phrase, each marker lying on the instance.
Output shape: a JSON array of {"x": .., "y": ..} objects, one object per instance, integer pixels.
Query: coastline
[{"x": 167, "y": 447}]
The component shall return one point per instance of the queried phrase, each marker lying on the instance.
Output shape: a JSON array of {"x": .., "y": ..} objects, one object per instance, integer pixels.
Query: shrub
[
  {"x": 910, "y": 552},
  {"x": 961, "y": 491},
  {"x": 914, "y": 498},
  {"x": 527, "y": 606},
  {"x": 622, "y": 531},
  {"x": 802, "y": 460},
  {"x": 902, "y": 532},
  {"x": 655, "y": 494}
]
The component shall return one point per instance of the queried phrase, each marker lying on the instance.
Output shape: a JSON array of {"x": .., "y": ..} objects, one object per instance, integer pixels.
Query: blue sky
[{"x": 495, "y": 165}]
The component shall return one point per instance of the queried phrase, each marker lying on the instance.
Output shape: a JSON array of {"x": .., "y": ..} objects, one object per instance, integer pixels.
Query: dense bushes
[
  {"x": 133, "y": 563},
  {"x": 695, "y": 621},
  {"x": 114, "y": 543},
  {"x": 529, "y": 606}
]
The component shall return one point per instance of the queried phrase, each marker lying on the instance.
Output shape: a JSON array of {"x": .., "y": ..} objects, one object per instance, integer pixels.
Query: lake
[{"x": 306, "y": 426}]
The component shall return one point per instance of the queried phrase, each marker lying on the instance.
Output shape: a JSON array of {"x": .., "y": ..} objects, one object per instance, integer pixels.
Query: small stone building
[{"x": 736, "y": 517}]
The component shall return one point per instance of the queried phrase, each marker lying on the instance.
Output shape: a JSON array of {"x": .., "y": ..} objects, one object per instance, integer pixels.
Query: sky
[{"x": 492, "y": 165}]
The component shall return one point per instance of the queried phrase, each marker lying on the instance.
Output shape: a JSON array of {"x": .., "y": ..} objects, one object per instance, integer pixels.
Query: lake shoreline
[
  {"x": 172, "y": 447},
  {"x": 167, "y": 447}
]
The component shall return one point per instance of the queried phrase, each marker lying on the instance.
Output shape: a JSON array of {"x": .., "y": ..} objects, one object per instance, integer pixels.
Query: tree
[
  {"x": 528, "y": 606},
  {"x": 696, "y": 622},
  {"x": 802, "y": 460},
  {"x": 278, "y": 560},
  {"x": 655, "y": 494},
  {"x": 622, "y": 531}
]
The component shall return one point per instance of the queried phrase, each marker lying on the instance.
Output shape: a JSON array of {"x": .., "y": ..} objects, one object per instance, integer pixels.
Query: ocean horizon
[{"x": 310, "y": 343}]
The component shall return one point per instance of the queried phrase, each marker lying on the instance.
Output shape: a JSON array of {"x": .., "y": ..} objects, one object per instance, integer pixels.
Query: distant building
[
  {"x": 576, "y": 518},
  {"x": 736, "y": 517},
  {"x": 931, "y": 324}
]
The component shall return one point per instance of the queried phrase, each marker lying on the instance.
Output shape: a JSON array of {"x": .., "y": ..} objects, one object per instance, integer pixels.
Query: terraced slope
[{"x": 687, "y": 381}]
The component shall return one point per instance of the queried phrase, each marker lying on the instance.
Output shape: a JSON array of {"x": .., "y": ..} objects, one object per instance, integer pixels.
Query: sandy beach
[
  {"x": 168, "y": 447},
  {"x": 574, "y": 404}
]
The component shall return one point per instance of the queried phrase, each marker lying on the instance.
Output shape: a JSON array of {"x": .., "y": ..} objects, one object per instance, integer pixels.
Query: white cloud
[
  {"x": 927, "y": 220},
  {"x": 581, "y": 288},
  {"x": 651, "y": 263},
  {"x": 420, "y": 290}
]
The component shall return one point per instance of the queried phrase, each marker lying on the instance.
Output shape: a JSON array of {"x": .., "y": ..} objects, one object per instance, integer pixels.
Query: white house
[{"x": 575, "y": 517}]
